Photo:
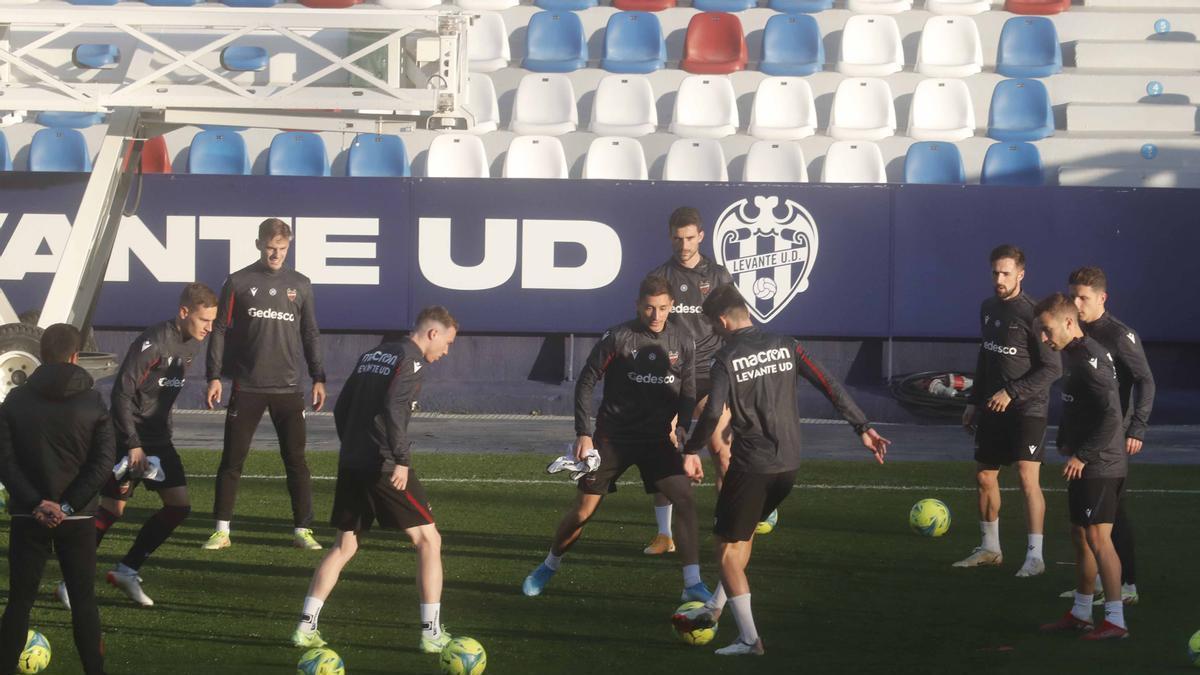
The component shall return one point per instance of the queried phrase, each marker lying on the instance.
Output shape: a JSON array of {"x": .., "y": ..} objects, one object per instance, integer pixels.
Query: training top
[
  {"x": 1091, "y": 426},
  {"x": 374, "y": 407},
  {"x": 1013, "y": 357},
  {"x": 755, "y": 375},
  {"x": 648, "y": 379},
  {"x": 265, "y": 321},
  {"x": 1125, "y": 345},
  {"x": 690, "y": 287},
  {"x": 149, "y": 381}
]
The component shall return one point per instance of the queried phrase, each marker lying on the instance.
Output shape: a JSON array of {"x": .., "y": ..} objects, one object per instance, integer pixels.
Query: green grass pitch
[{"x": 842, "y": 586}]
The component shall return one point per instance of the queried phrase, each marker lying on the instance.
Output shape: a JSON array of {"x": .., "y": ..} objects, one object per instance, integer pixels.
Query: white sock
[
  {"x": 1114, "y": 612},
  {"x": 991, "y": 535},
  {"x": 1083, "y": 607},
  {"x": 552, "y": 561},
  {"x": 1034, "y": 550},
  {"x": 718, "y": 599},
  {"x": 662, "y": 514},
  {"x": 222, "y": 526},
  {"x": 431, "y": 619},
  {"x": 1130, "y": 588},
  {"x": 691, "y": 575},
  {"x": 300, "y": 530},
  {"x": 310, "y": 613},
  {"x": 744, "y": 618}
]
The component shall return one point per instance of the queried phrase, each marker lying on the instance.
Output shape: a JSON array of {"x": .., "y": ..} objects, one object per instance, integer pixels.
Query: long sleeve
[
  {"x": 94, "y": 471},
  {"x": 216, "y": 340},
  {"x": 1133, "y": 356},
  {"x": 687, "y": 388},
  {"x": 134, "y": 369},
  {"x": 341, "y": 409},
  {"x": 718, "y": 398},
  {"x": 593, "y": 369},
  {"x": 978, "y": 396},
  {"x": 845, "y": 406},
  {"x": 1095, "y": 438},
  {"x": 21, "y": 490},
  {"x": 400, "y": 395},
  {"x": 1047, "y": 368},
  {"x": 310, "y": 336}
]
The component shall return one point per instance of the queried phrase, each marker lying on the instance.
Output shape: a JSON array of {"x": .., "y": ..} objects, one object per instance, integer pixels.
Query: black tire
[
  {"x": 18, "y": 337},
  {"x": 31, "y": 317}
]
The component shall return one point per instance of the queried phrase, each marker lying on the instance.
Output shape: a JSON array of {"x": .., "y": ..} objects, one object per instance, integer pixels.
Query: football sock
[
  {"x": 1083, "y": 607},
  {"x": 311, "y": 613},
  {"x": 1129, "y": 588},
  {"x": 691, "y": 575},
  {"x": 745, "y": 620},
  {"x": 431, "y": 619},
  {"x": 718, "y": 598},
  {"x": 662, "y": 514},
  {"x": 156, "y": 530},
  {"x": 1114, "y": 612},
  {"x": 991, "y": 534},
  {"x": 552, "y": 561},
  {"x": 104, "y": 519},
  {"x": 1034, "y": 550},
  {"x": 222, "y": 526},
  {"x": 299, "y": 530}
]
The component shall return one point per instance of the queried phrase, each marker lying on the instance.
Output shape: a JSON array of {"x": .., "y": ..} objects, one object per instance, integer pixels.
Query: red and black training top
[
  {"x": 375, "y": 405},
  {"x": 149, "y": 381}
]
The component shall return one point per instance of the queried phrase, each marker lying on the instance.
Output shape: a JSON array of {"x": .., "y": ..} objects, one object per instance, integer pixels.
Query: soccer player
[
  {"x": 692, "y": 275},
  {"x": 648, "y": 370},
  {"x": 375, "y": 480},
  {"x": 1008, "y": 408},
  {"x": 266, "y": 323},
  {"x": 1092, "y": 434},
  {"x": 755, "y": 376},
  {"x": 56, "y": 447},
  {"x": 1089, "y": 289}
]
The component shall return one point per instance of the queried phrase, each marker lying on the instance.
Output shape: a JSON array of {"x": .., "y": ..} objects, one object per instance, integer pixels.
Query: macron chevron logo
[
  {"x": 1095, "y": 362},
  {"x": 1032, "y": 449},
  {"x": 146, "y": 345},
  {"x": 1132, "y": 337}
]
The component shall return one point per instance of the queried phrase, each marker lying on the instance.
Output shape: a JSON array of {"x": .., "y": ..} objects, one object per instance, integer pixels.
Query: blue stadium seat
[
  {"x": 59, "y": 150},
  {"x": 1028, "y": 47},
  {"x": 806, "y": 6},
  {"x": 244, "y": 58},
  {"x": 92, "y": 2},
  {"x": 934, "y": 162},
  {"x": 250, "y": 3},
  {"x": 218, "y": 151},
  {"x": 555, "y": 43},
  {"x": 723, "y": 5},
  {"x": 297, "y": 153},
  {"x": 96, "y": 56},
  {"x": 69, "y": 120},
  {"x": 633, "y": 43},
  {"x": 566, "y": 5},
  {"x": 1020, "y": 111},
  {"x": 377, "y": 155},
  {"x": 171, "y": 3},
  {"x": 792, "y": 45},
  {"x": 1012, "y": 164},
  {"x": 5, "y": 159}
]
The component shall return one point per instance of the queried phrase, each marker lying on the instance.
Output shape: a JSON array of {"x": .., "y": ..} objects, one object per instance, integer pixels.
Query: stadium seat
[
  {"x": 723, "y": 5},
  {"x": 5, "y": 158},
  {"x": 377, "y": 155},
  {"x": 696, "y": 159},
  {"x": 218, "y": 152},
  {"x": 172, "y": 3},
  {"x": 487, "y": 5},
  {"x": 250, "y": 3},
  {"x": 482, "y": 103},
  {"x": 92, "y": 2},
  {"x": 456, "y": 156},
  {"x": 878, "y": 6},
  {"x": 96, "y": 56},
  {"x": 297, "y": 153},
  {"x": 487, "y": 50},
  {"x": 155, "y": 156},
  {"x": 959, "y": 7},
  {"x": 853, "y": 162},
  {"x": 69, "y": 120},
  {"x": 615, "y": 158},
  {"x": 624, "y": 106},
  {"x": 633, "y": 43},
  {"x": 544, "y": 105},
  {"x": 776, "y": 162},
  {"x": 1020, "y": 111},
  {"x": 409, "y": 4},
  {"x": 795, "y": 6},
  {"x": 565, "y": 5},
  {"x": 941, "y": 111},
  {"x": 950, "y": 47},
  {"x": 792, "y": 45},
  {"x": 705, "y": 107},
  {"x": 535, "y": 157},
  {"x": 1028, "y": 47},
  {"x": 555, "y": 43},
  {"x": 871, "y": 46},
  {"x": 59, "y": 149},
  {"x": 862, "y": 110},
  {"x": 714, "y": 45},
  {"x": 244, "y": 58},
  {"x": 783, "y": 109},
  {"x": 643, "y": 5},
  {"x": 934, "y": 163},
  {"x": 1036, "y": 6},
  {"x": 1012, "y": 164},
  {"x": 329, "y": 4}
]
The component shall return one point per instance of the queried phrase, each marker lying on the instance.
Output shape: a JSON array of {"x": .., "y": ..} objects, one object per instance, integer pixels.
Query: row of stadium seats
[{"x": 871, "y": 45}]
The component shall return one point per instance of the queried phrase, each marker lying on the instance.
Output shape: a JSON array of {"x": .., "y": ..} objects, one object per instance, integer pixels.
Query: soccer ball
[
  {"x": 929, "y": 517},
  {"x": 767, "y": 526},
  {"x": 699, "y": 636},
  {"x": 463, "y": 656},
  {"x": 320, "y": 661},
  {"x": 764, "y": 288},
  {"x": 36, "y": 656},
  {"x": 1194, "y": 649}
]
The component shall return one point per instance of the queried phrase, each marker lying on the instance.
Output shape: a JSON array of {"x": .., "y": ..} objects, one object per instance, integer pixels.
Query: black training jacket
[
  {"x": 56, "y": 440},
  {"x": 1091, "y": 426},
  {"x": 374, "y": 407},
  {"x": 1013, "y": 357},
  {"x": 266, "y": 321},
  {"x": 648, "y": 379},
  {"x": 1132, "y": 370},
  {"x": 755, "y": 374},
  {"x": 690, "y": 287},
  {"x": 149, "y": 381}
]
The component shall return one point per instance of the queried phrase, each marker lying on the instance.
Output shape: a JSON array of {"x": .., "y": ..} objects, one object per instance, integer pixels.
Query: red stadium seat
[
  {"x": 643, "y": 5},
  {"x": 715, "y": 44},
  {"x": 155, "y": 158},
  {"x": 329, "y": 4},
  {"x": 1037, "y": 6}
]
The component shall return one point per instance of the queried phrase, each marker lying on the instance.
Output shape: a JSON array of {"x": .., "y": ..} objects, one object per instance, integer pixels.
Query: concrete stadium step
[
  {"x": 1147, "y": 55},
  {"x": 1127, "y": 177},
  {"x": 1116, "y": 118}
]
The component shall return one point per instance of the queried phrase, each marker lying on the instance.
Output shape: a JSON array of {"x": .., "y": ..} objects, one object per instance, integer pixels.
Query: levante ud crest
[{"x": 769, "y": 248}]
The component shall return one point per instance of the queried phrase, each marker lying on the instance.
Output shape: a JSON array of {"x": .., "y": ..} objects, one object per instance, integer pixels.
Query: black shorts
[
  {"x": 748, "y": 498},
  {"x": 655, "y": 460},
  {"x": 1001, "y": 439},
  {"x": 1092, "y": 501},
  {"x": 364, "y": 497},
  {"x": 172, "y": 467}
]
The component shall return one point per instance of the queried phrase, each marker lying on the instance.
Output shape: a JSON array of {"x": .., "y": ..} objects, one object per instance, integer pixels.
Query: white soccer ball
[{"x": 764, "y": 288}]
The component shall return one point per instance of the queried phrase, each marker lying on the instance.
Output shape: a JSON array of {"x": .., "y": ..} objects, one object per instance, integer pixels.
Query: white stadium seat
[
  {"x": 776, "y": 162},
  {"x": 853, "y": 162},
  {"x": 878, "y": 6},
  {"x": 545, "y": 105},
  {"x": 783, "y": 109},
  {"x": 535, "y": 157},
  {"x": 624, "y": 106},
  {"x": 456, "y": 156},
  {"x": 705, "y": 107},
  {"x": 699, "y": 159},
  {"x": 481, "y": 102},
  {"x": 409, "y": 4},
  {"x": 950, "y": 47},
  {"x": 941, "y": 111},
  {"x": 615, "y": 158},
  {"x": 487, "y": 50},
  {"x": 871, "y": 46},
  {"x": 862, "y": 110},
  {"x": 959, "y": 7}
]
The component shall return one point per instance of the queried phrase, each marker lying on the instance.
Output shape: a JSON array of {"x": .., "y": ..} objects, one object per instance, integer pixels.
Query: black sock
[{"x": 156, "y": 530}]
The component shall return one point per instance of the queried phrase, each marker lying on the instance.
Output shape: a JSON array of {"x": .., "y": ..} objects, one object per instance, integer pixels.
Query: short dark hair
[
  {"x": 60, "y": 342},
  {"x": 725, "y": 301},
  {"x": 196, "y": 295},
  {"x": 653, "y": 285},
  {"x": 1057, "y": 305},
  {"x": 436, "y": 313},
  {"x": 682, "y": 217},
  {"x": 273, "y": 227},
  {"x": 1008, "y": 251},
  {"x": 1092, "y": 277}
]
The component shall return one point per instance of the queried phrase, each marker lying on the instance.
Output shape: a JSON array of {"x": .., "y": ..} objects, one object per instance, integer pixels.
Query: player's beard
[{"x": 685, "y": 256}]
